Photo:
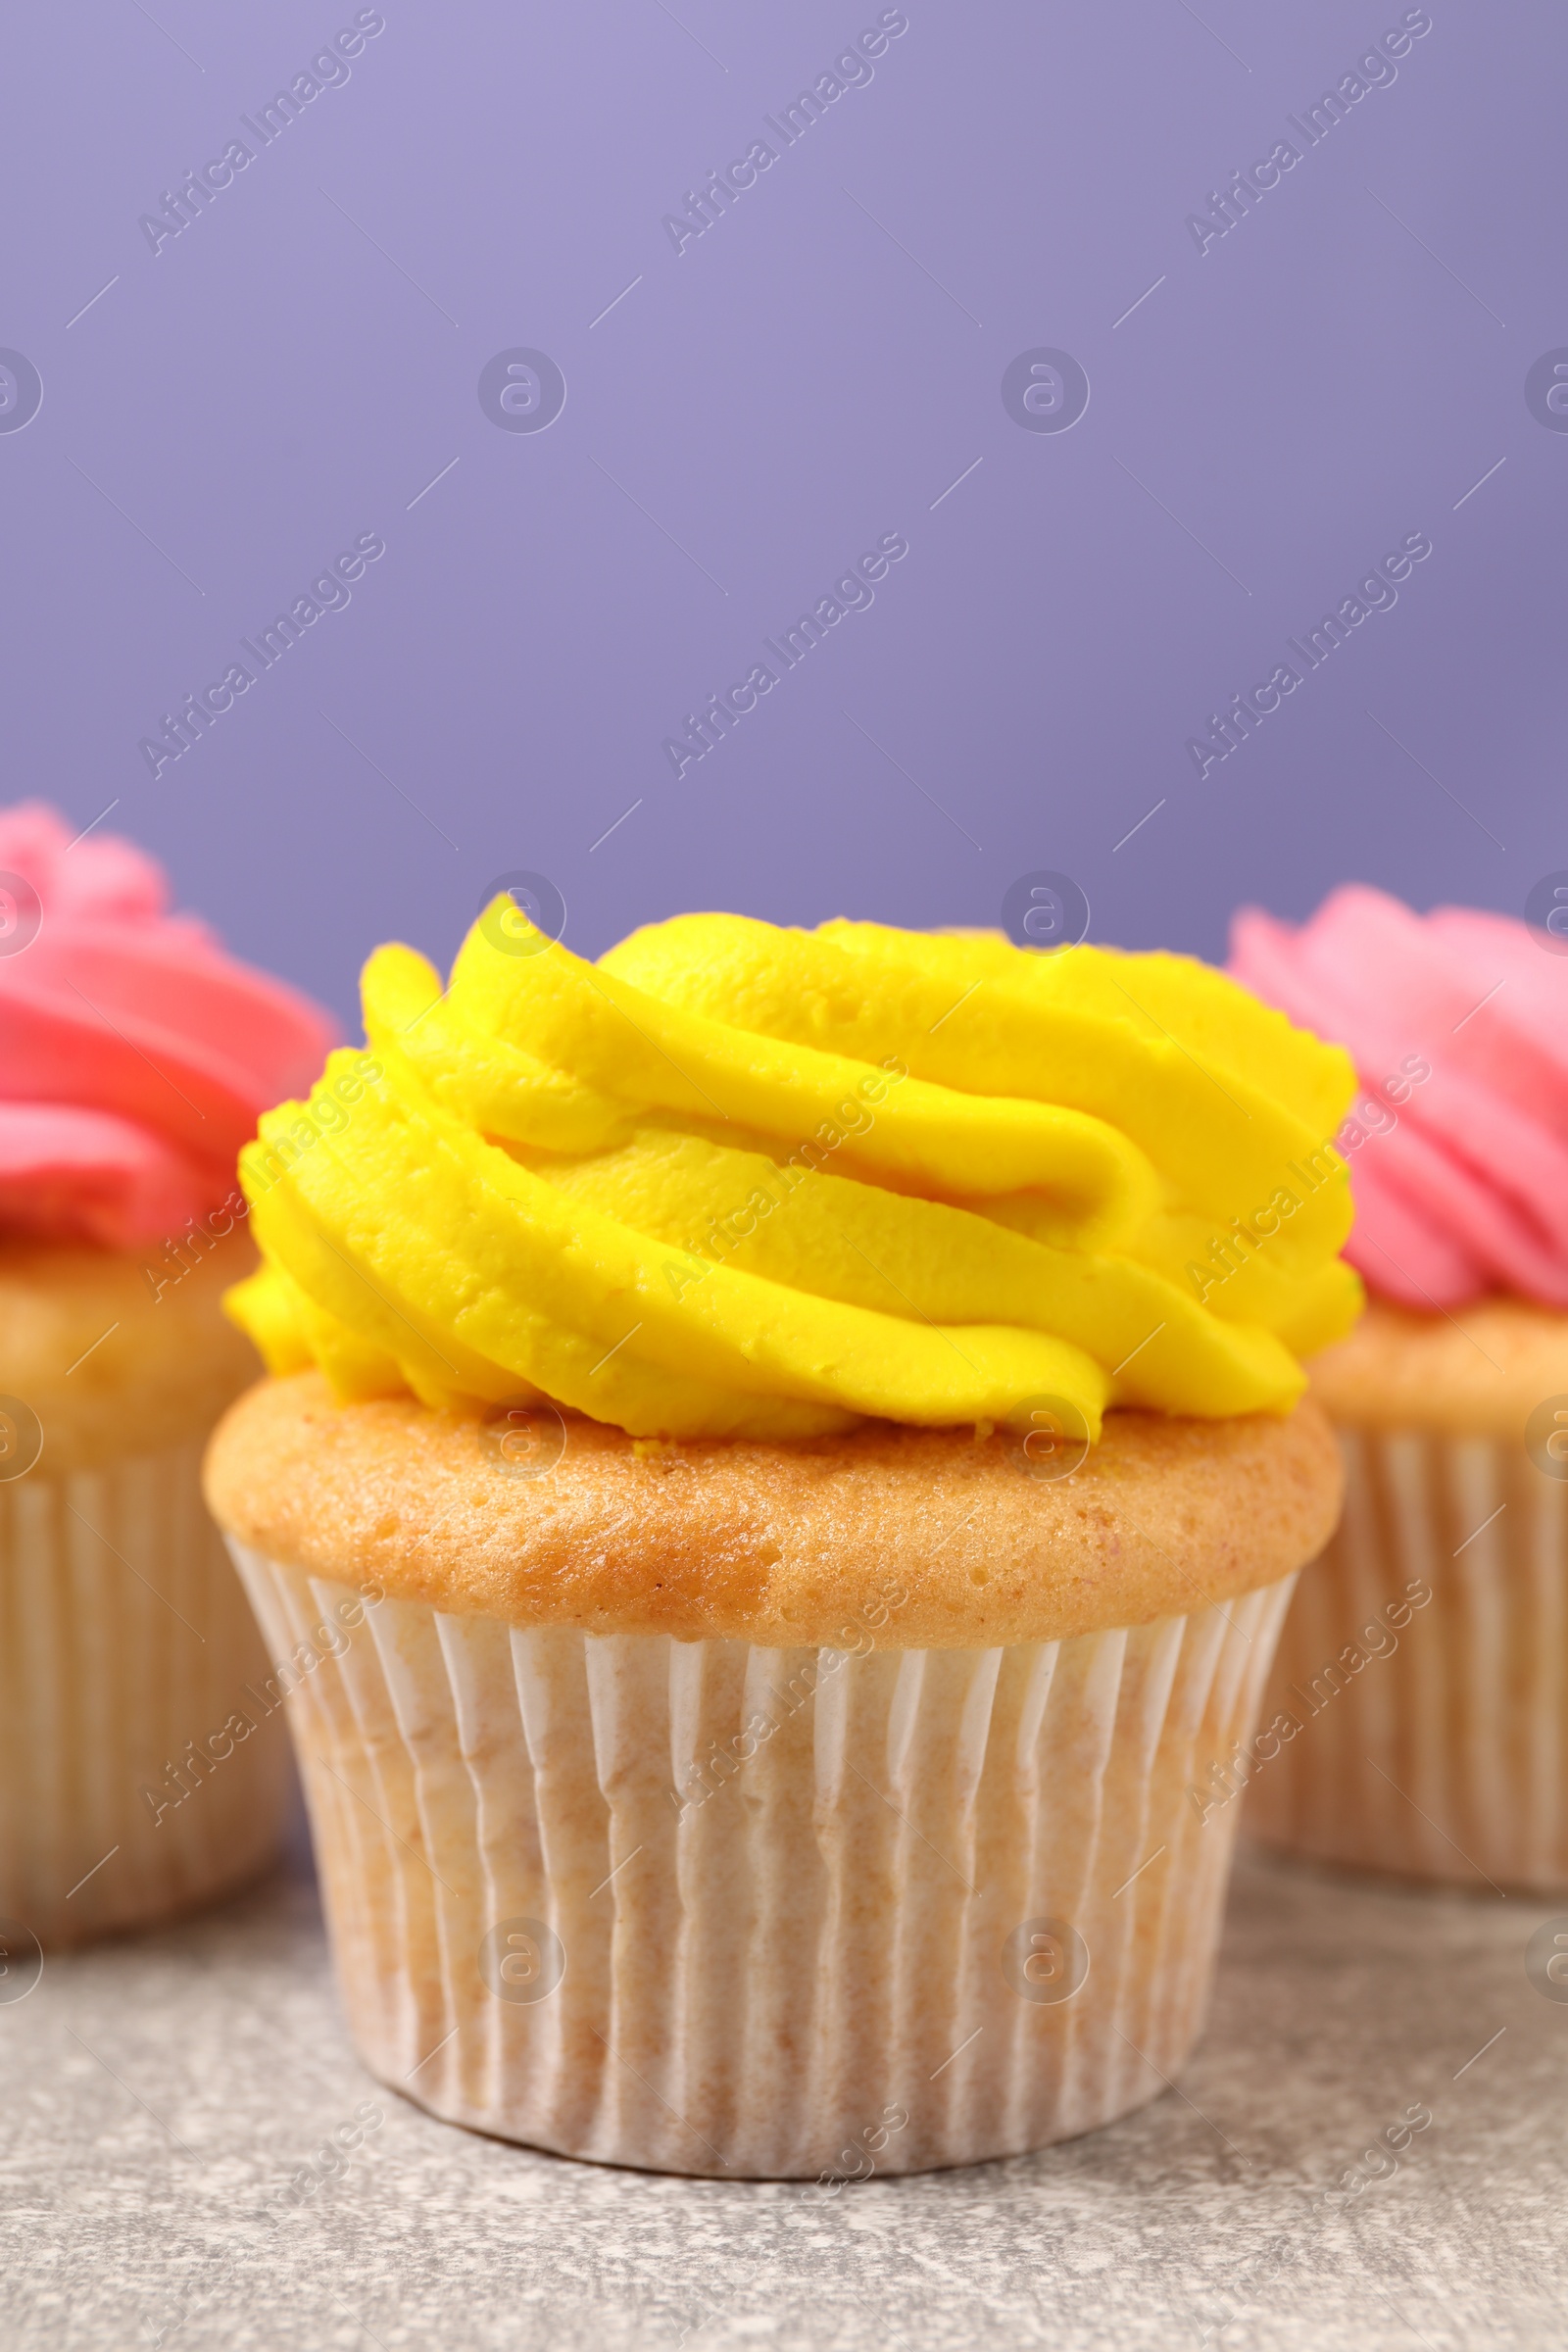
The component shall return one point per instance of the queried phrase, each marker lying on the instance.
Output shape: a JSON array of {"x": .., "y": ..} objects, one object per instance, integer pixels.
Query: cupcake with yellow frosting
[{"x": 818, "y": 1418}]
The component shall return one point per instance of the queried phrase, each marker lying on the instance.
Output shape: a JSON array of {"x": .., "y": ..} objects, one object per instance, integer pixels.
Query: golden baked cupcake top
[
  {"x": 741, "y": 1182},
  {"x": 1482, "y": 1371},
  {"x": 110, "y": 1354},
  {"x": 885, "y": 1537}
]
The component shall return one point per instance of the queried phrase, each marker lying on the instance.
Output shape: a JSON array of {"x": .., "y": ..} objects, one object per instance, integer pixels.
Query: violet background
[{"x": 757, "y": 409}]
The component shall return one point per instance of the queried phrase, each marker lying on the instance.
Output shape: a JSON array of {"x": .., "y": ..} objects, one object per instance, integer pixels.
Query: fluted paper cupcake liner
[
  {"x": 128, "y": 1791},
  {"x": 1425, "y": 1664},
  {"x": 702, "y": 1907}
]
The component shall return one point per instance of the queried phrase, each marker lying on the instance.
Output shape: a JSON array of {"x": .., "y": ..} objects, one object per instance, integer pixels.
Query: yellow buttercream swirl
[{"x": 741, "y": 1181}]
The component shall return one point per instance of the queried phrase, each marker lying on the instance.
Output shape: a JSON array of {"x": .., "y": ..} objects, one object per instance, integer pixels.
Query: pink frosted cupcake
[
  {"x": 135, "y": 1057},
  {"x": 1420, "y": 1698}
]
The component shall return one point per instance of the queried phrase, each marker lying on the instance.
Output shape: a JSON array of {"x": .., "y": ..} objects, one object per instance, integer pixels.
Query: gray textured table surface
[{"x": 156, "y": 2091}]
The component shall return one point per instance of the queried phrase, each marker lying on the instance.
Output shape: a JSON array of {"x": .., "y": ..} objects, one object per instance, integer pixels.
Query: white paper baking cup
[
  {"x": 1445, "y": 1756},
  {"x": 964, "y": 1888},
  {"x": 125, "y": 1642}
]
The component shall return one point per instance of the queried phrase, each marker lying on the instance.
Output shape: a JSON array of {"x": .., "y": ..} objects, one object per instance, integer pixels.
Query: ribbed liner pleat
[
  {"x": 124, "y": 1636},
  {"x": 782, "y": 1881},
  {"x": 1445, "y": 1758}
]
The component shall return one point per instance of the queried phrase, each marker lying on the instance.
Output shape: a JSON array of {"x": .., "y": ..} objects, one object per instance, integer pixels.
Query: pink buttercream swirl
[
  {"x": 136, "y": 1055},
  {"x": 1457, "y": 1023}
]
